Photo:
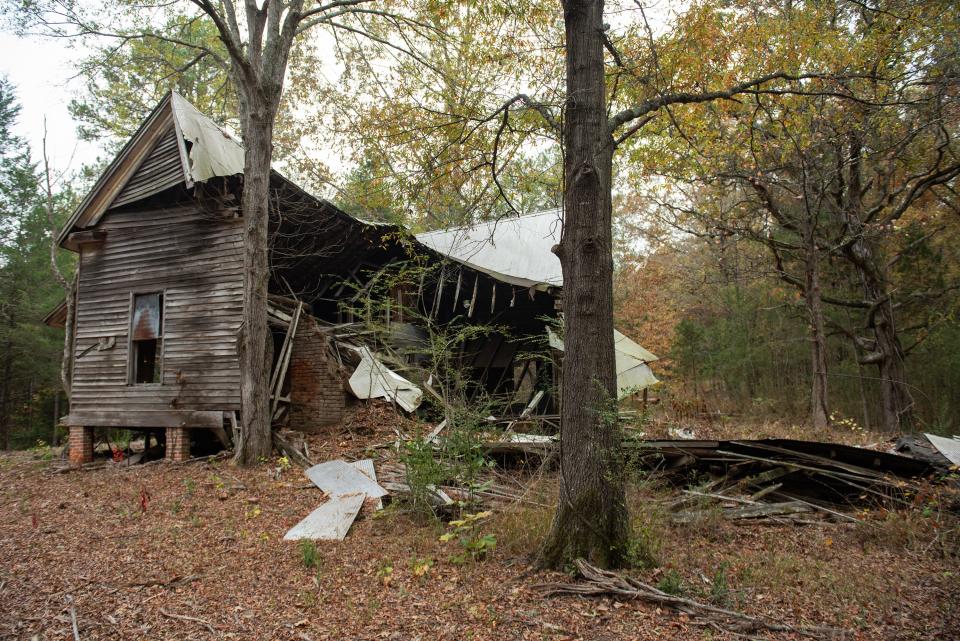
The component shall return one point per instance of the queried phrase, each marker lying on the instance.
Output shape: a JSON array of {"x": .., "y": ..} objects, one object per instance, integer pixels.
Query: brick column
[
  {"x": 81, "y": 445},
  {"x": 178, "y": 444},
  {"x": 316, "y": 391}
]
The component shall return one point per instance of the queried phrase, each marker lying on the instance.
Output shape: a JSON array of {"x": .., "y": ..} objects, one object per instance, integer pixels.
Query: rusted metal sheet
[{"x": 147, "y": 317}]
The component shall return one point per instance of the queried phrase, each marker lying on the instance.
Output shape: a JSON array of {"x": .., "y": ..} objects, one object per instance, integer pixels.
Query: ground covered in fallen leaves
[{"x": 195, "y": 551}]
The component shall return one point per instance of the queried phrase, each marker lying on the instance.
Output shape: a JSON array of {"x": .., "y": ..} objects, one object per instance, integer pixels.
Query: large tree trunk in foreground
[
  {"x": 591, "y": 520},
  {"x": 255, "y": 440}
]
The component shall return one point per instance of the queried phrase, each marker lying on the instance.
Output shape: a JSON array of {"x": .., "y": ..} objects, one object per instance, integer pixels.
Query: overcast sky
[{"x": 40, "y": 69}]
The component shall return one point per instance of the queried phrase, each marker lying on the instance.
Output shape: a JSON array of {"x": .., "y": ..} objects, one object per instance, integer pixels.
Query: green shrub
[{"x": 309, "y": 554}]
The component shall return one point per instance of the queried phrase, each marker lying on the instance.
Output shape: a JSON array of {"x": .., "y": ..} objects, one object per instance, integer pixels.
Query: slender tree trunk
[
  {"x": 56, "y": 417},
  {"x": 895, "y": 398},
  {"x": 69, "y": 327},
  {"x": 5, "y": 392},
  {"x": 30, "y": 393},
  {"x": 591, "y": 521},
  {"x": 70, "y": 286},
  {"x": 819, "y": 398},
  {"x": 862, "y": 388},
  {"x": 256, "y": 443}
]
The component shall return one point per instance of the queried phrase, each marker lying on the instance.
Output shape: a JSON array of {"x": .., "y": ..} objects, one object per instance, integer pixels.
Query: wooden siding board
[
  {"x": 161, "y": 169},
  {"x": 197, "y": 264}
]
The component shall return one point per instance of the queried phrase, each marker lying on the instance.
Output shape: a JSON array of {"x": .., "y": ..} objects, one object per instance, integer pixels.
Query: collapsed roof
[
  {"x": 516, "y": 249},
  {"x": 519, "y": 250},
  {"x": 179, "y": 145}
]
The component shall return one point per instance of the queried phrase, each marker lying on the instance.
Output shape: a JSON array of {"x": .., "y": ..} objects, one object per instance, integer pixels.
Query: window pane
[{"x": 147, "y": 310}]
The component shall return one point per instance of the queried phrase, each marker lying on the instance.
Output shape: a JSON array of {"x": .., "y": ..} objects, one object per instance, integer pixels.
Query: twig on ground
[
  {"x": 604, "y": 582},
  {"x": 183, "y": 617},
  {"x": 177, "y": 580},
  {"x": 73, "y": 620}
]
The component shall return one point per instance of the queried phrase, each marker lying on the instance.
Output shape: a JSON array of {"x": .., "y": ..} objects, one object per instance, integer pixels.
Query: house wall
[
  {"x": 317, "y": 397},
  {"x": 196, "y": 260}
]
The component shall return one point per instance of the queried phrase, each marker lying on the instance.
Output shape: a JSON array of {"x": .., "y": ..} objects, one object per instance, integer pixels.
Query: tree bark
[
  {"x": 69, "y": 327},
  {"x": 896, "y": 411},
  {"x": 819, "y": 397},
  {"x": 256, "y": 443},
  {"x": 5, "y": 390},
  {"x": 56, "y": 418},
  {"x": 591, "y": 521}
]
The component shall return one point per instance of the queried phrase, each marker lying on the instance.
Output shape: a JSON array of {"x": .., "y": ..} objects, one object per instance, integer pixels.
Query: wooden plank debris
[
  {"x": 339, "y": 477},
  {"x": 435, "y": 432},
  {"x": 329, "y": 522},
  {"x": 280, "y": 373},
  {"x": 366, "y": 467},
  {"x": 291, "y": 452},
  {"x": 949, "y": 447},
  {"x": 822, "y": 477}
]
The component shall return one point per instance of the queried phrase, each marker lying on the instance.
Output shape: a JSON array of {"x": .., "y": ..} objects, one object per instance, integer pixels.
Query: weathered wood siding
[
  {"x": 159, "y": 170},
  {"x": 197, "y": 262}
]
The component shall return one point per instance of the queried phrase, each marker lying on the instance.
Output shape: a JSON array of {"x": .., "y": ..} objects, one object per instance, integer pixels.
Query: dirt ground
[{"x": 195, "y": 551}]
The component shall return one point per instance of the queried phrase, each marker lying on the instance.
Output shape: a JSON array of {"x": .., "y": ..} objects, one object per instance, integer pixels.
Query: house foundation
[
  {"x": 178, "y": 444},
  {"x": 81, "y": 445}
]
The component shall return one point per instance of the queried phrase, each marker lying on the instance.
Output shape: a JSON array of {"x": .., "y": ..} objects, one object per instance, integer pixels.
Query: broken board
[
  {"x": 949, "y": 447},
  {"x": 329, "y": 522},
  {"x": 366, "y": 466},
  {"x": 339, "y": 477}
]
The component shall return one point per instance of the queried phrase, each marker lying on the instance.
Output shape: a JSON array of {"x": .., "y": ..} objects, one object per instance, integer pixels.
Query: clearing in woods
[{"x": 195, "y": 551}]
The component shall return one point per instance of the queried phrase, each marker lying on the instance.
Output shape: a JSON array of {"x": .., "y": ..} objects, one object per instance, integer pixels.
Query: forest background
[{"x": 741, "y": 225}]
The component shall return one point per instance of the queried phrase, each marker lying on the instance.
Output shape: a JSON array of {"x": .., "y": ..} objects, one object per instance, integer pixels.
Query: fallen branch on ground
[
  {"x": 183, "y": 617},
  {"x": 287, "y": 448},
  {"x": 177, "y": 580},
  {"x": 73, "y": 620},
  {"x": 604, "y": 582}
]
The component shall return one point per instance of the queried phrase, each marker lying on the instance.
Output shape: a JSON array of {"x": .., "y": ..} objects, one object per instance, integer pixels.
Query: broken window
[{"x": 146, "y": 339}]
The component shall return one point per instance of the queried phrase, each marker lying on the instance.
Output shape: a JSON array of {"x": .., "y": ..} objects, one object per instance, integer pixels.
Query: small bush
[
  {"x": 476, "y": 545},
  {"x": 643, "y": 550},
  {"x": 671, "y": 583},
  {"x": 309, "y": 554},
  {"x": 720, "y": 586}
]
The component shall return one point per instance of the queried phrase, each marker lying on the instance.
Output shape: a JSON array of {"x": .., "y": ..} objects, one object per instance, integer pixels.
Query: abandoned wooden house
[{"x": 159, "y": 298}]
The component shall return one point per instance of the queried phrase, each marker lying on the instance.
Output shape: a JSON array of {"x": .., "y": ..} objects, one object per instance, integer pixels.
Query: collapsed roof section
[
  {"x": 515, "y": 250},
  {"x": 633, "y": 371}
]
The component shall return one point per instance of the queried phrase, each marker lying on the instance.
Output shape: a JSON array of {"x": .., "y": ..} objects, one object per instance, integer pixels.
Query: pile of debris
[
  {"x": 347, "y": 487},
  {"x": 780, "y": 479}
]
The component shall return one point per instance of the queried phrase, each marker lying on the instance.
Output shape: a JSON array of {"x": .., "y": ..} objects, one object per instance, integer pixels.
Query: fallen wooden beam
[
  {"x": 602, "y": 582},
  {"x": 288, "y": 450}
]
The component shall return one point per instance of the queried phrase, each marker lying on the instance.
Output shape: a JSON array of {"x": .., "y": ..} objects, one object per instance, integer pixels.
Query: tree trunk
[
  {"x": 255, "y": 443},
  {"x": 896, "y": 411},
  {"x": 819, "y": 399},
  {"x": 591, "y": 521},
  {"x": 895, "y": 398},
  {"x": 69, "y": 327},
  {"x": 56, "y": 417},
  {"x": 5, "y": 392}
]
